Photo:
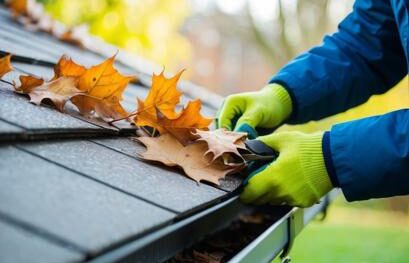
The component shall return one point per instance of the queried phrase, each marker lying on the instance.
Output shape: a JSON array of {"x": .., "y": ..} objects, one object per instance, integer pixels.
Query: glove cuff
[
  {"x": 313, "y": 165},
  {"x": 281, "y": 95}
]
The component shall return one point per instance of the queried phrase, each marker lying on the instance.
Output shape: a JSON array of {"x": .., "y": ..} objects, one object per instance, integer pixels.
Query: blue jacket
[{"x": 368, "y": 55}]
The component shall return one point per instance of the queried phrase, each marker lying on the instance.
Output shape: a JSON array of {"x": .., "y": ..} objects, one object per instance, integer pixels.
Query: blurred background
[{"x": 231, "y": 46}]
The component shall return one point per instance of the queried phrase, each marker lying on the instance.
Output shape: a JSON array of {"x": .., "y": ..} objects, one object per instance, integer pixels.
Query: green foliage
[{"x": 345, "y": 243}]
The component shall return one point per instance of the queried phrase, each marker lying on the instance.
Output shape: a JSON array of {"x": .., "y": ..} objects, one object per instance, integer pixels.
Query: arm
[
  {"x": 364, "y": 57},
  {"x": 369, "y": 158}
]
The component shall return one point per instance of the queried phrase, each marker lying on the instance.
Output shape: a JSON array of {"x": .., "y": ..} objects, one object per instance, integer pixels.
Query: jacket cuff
[{"x": 329, "y": 164}]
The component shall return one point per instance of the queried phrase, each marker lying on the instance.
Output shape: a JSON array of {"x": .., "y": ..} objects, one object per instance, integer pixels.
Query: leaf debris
[{"x": 5, "y": 65}]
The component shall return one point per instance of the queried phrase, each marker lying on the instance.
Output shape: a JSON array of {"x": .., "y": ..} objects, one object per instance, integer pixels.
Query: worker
[{"x": 366, "y": 158}]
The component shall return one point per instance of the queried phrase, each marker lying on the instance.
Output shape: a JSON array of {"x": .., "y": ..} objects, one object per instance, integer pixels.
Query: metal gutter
[
  {"x": 280, "y": 236},
  {"x": 166, "y": 242}
]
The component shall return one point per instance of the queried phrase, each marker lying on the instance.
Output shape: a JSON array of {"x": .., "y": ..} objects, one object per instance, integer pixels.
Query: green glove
[
  {"x": 266, "y": 108},
  {"x": 298, "y": 177}
]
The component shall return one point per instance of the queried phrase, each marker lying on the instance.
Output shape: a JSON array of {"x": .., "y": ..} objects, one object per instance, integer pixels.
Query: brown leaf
[
  {"x": 59, "y": 91},
  {"x": 5, "y": 65},
  {"x": 206, "y": 257},
  {"x": 169, "y": 151},
  {"x": 69, "y": 37},
  {"x": 188, "y": 121},
  {"x": 104, "y": 86},
  {"x": 163, "y": 96},
  {"x": 27, "y": 83},
  {"x": 221, "y": 141}
]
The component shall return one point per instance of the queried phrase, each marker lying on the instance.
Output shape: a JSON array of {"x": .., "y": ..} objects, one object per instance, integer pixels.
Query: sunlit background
[{"x": 230, "y": 46}]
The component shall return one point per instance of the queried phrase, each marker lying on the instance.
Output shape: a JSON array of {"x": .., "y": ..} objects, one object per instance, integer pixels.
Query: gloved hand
[
  {"x": 298, "y": 177},
  {"x": 266, "y": 108}
]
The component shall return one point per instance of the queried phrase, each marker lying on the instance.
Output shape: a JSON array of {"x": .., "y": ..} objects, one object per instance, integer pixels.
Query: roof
[{"x": 72, "y": 188}]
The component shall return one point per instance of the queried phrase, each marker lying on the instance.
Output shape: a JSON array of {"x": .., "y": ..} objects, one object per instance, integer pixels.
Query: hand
[
  {"x": 298, "y": 177},
  {"x": 266, "y": 108}
]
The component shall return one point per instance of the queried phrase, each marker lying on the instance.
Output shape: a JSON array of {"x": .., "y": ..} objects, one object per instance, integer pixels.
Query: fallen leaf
[
  {"x": 27, "y": 83},
  {"x": 5, "y": 65},
  {"x": 104, "y": 86},
  {"x": 169, "y": 151},
  {"x": 106, "y": 108},
  {"x": 66, "y": 67},
  {"x": 59, "y": 91},
  {"x": 206, "y": 257},
  {"x": 18, "y": 7},
  {"x": 182, "y": 126},
  {"x": 162, "y": 96},
  {"x": 33, "y": 17},
  {"x": 69, "y": 37},
  {"x": 221, "y": 141}
]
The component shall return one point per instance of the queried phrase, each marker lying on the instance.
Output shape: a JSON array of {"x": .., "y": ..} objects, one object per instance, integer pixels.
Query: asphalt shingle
[
  {"x": 20, "y": 246},
  {"x": 86, "y": 213},
  {"x": 155, "y": 183}
]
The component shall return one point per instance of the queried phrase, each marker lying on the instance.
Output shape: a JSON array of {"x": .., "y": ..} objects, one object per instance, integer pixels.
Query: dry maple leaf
[
  {"x": 27, "y": 83},
  {"x": 32, "y": 15},
  {"x": 59, "y": 91},
  {"x": 191, "y": 158},
  {"x": 69, "y": 37},
  {"x": 103, "y": 86},
  {"x": 163, "y": 96},
  {"x": 221, "y": 141},
  {"x": 183, "y": 125},
  {"x": 18, "y": 7},
  {"x": 5, "y": 65},
  {"x": 66, "y": 67}
]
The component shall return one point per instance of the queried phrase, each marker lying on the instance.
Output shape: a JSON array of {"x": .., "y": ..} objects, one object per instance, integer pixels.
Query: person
[{"x": 366, "y": 158}]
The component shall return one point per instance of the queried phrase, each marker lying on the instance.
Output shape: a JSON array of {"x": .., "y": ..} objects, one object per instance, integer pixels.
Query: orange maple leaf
[
  {"x": 66, "y": 67},
  {"x": 163, "y": 96},
  {"x": 185, "y": 123},
  {"x": 5, "y": 65},
  {"x": 59, "y": 91},
  {"x": 17, "y": 7},
  {"x": 103, "y": 86}
]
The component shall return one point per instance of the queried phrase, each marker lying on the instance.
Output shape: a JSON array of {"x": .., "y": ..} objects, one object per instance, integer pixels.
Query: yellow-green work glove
[
  {"x": 298, "y": 177},
  {"x": 266, "y": 108}
]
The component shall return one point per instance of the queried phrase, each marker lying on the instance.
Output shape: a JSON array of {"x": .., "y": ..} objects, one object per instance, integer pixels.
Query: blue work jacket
[{"x": 366, "y": 158}]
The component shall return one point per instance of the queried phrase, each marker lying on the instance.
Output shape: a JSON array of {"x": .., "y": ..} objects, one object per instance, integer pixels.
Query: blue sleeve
[
  {"x": 369, "y": 158},
  {"x": 363, "y": 58}
]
